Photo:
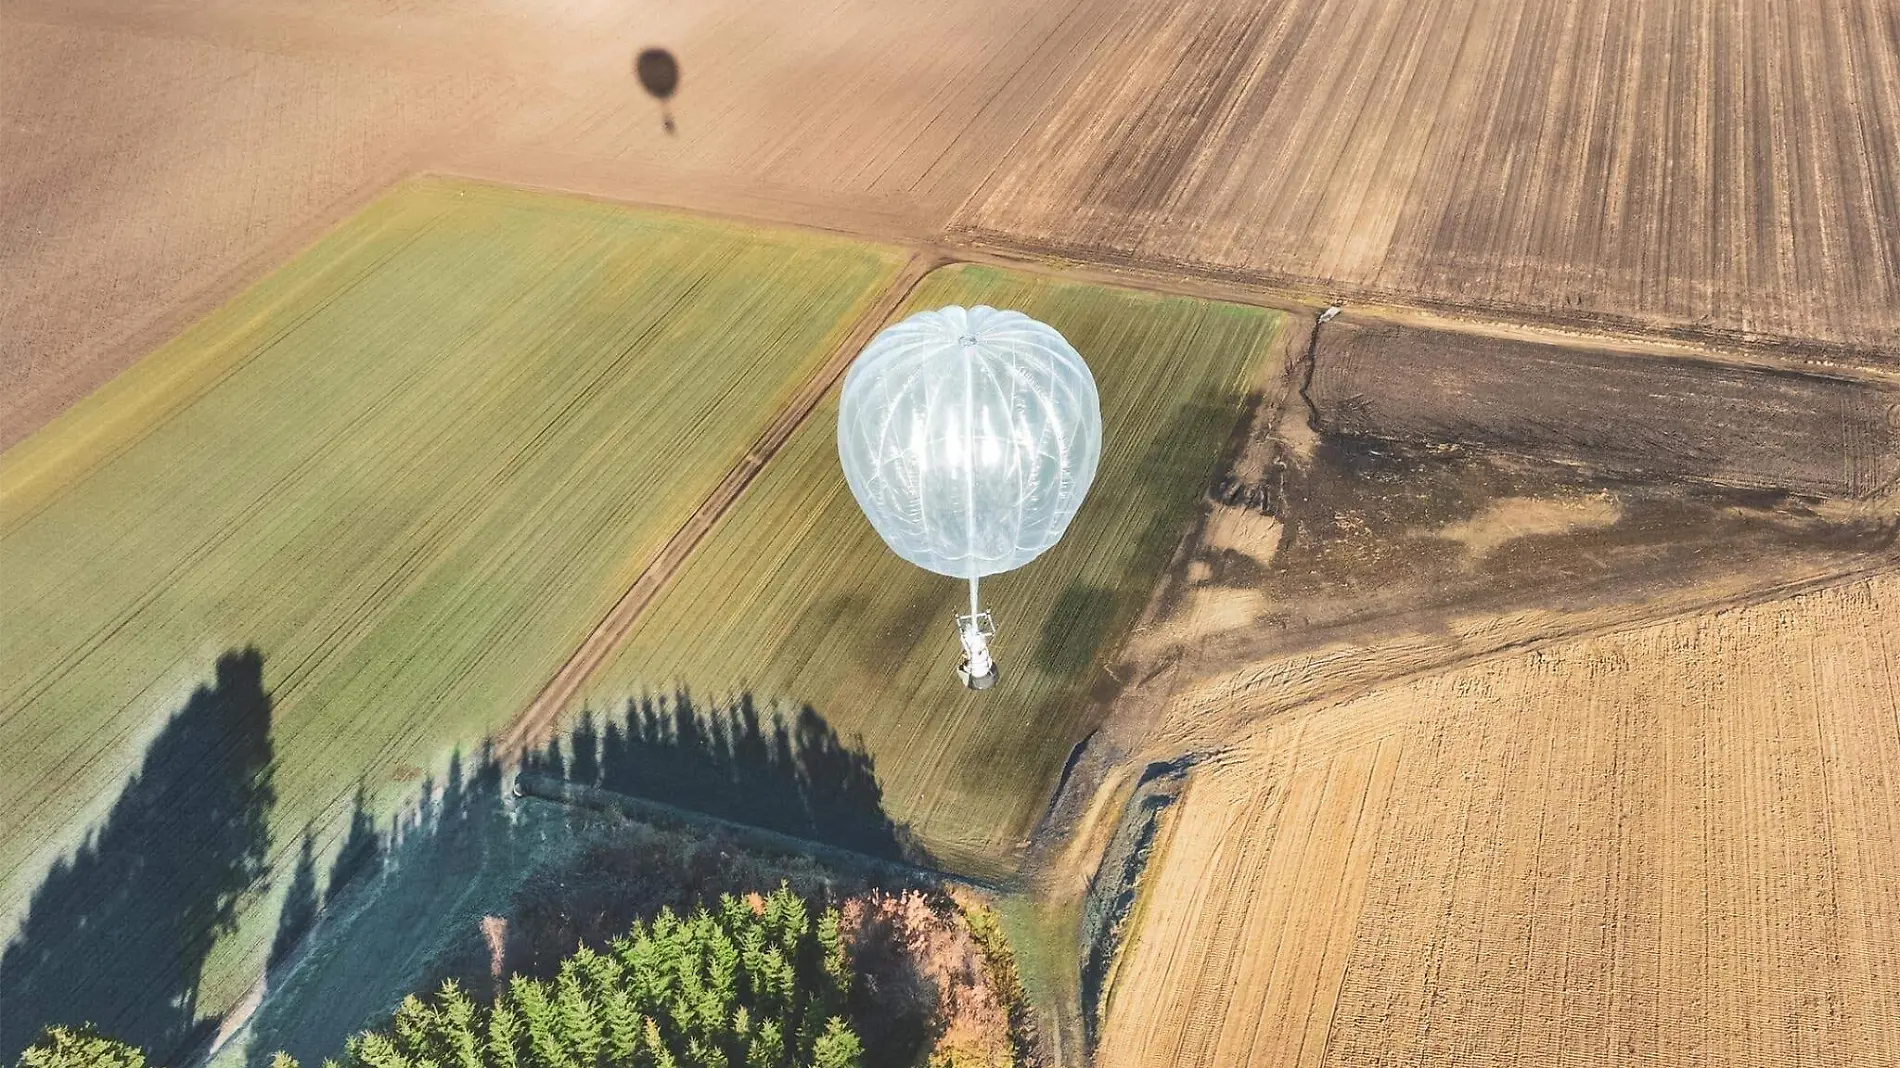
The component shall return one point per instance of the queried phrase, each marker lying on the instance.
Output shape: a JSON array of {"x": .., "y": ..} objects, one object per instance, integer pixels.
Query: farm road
[{"x": 537, "y": 723}]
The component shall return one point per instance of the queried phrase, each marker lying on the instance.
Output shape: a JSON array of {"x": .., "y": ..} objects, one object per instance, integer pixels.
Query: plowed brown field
[
  {"x": 160, "y": 159},
  {"x": 1729, "y": 169},
  {"x": 1735, "y": 167},
  {"x": 1675, "y": 845},
  {"x": 144, "y": 168}
]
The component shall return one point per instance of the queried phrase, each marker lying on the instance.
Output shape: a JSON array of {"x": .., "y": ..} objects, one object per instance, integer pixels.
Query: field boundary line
[
  {"x": 954, "y": 242},
  {"x": 556, "y": 790},
  {"x": 537, "y": 721},
  {"x": 709, "y": 198},
  {"x": 1641, "y": 618},
  {"x": 1292, "y": 292}
]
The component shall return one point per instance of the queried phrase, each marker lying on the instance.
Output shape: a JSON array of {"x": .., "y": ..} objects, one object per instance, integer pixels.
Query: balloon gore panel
[{"x": 969, "y": 436}]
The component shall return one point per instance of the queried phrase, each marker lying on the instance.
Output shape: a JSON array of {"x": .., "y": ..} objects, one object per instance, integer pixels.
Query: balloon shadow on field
[
  {"x": 118, "y": 933},
  {"x": 659, "y": 74}
]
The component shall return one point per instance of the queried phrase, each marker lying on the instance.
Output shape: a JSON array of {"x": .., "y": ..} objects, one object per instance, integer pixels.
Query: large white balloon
[{"x": 969, "y": 436}]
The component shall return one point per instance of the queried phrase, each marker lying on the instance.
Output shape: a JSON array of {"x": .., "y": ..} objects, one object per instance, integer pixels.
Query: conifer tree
[
  {"x": 456, "y": 1014},
  {"x": 725, "y": 987},
  {"x": 504, "y": 1037},
  {"x": 767, "y": 1048},
  {"x": 622, "y": 1025},
  {"x": 837, "y": 1047},
  {"x": 580, "y": 1029}
]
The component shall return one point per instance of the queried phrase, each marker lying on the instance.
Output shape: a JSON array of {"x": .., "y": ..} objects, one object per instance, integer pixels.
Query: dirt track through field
[{"x": 539, "y": 720}]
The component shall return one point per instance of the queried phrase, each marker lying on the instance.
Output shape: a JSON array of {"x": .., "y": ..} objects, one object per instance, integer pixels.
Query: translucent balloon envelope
[{"x": 969, "y": 436}]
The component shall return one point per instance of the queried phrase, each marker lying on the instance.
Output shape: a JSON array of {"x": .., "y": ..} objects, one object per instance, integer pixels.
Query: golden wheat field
[{"x": 1674, "y": 845}]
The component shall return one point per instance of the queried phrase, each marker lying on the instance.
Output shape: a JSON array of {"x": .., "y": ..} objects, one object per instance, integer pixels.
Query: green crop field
[
  {"x": 410, "y": 470},
  {"x": 794, "y": 601}
]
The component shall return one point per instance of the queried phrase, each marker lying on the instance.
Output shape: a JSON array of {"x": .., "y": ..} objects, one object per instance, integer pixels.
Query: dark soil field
[{"x": 1614, "y": 413}]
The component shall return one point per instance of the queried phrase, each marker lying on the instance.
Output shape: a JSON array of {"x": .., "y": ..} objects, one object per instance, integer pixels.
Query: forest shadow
[
  {"x": 118, "y": 933},
  {"x": 471, "y": 881},
  {"x": 777, "y": 769},
  {"x": 394, "y": 894}
]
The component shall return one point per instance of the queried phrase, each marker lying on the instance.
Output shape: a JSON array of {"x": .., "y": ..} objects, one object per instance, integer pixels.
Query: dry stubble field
[
  {"x": 1731, "y": 167},
  {"x": 1728, "y": 168},
  {"x": 1674, "y": 845}
]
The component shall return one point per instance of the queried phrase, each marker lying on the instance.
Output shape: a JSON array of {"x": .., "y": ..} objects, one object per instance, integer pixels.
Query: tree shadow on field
[
  {"x": 394, "y": 893},
  {"x": 118, "y": 933},
  {"x": 472, "y": 882},
  {"x": 779, "y": 770}
]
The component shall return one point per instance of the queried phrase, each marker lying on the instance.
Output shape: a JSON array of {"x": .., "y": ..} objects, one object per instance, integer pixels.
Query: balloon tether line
[{"x": 978, "y": 670}]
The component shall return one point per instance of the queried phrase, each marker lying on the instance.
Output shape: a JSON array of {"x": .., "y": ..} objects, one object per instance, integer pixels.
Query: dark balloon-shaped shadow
[{"x": 659, "y": 75}]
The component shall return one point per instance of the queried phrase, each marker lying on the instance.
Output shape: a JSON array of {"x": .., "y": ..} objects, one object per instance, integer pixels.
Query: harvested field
[
  {"x": 1439, "y": 153},
  {"x": 147, "y": 164},
  {"x": 405, "y": 475},
  {"x": 795, "y": 601},
  {"x": 855, "y": 109},
  {"x": 1673, "y": 845},
  {"x": 1636, "y": 417},
  {"x": 162, "y": 158},
  {"x": 1722, "y": 168}
]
